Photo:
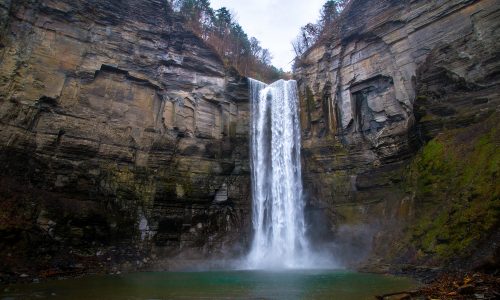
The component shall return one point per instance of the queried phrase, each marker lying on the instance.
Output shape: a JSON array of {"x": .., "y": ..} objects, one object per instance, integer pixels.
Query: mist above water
[{"x": 280, "y": 239}]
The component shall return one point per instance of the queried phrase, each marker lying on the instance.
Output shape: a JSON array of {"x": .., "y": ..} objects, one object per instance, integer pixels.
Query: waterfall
[{"x": 278, "y": 208}]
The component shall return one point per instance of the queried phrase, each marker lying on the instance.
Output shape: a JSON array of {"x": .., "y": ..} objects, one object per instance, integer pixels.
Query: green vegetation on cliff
[
  {"x": 219, "y": 29},
  {"x": 454, "y": 179}
]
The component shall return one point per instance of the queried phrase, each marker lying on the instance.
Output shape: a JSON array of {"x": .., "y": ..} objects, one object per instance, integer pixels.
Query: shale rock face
[
  {"x": 117, "y": 127},
  {"x": 397, "y": 74}
]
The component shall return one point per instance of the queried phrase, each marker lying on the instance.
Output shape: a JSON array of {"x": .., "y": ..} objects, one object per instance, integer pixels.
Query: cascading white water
[{"x": 278, "y": 208}]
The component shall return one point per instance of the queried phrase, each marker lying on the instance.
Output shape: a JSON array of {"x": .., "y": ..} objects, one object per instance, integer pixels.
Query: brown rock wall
[{"x": 116, "y": 106}]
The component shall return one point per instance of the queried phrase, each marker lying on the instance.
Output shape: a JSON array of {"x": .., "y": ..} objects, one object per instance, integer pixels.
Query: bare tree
[
  {"x": 327, "y": 27},
  {"x": 266, "y": 57},
  {"x": 220, "y": 29},
  {"x": 255, "y": 47}
]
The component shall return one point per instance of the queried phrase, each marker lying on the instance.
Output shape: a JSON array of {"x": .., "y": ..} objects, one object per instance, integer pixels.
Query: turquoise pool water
[{"x": 304, "y": 284}]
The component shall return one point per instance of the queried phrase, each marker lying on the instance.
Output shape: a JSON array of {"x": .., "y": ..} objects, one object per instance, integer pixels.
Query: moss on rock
[{"x": 454, "y": 180}]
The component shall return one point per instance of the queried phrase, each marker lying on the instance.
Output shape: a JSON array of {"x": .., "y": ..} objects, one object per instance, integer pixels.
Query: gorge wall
[
  {"x": 398, "y": 75},
  {"x": 123, "y": 138}
]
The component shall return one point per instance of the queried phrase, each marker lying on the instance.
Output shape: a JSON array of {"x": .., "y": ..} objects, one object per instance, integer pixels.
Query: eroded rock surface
[
  {"x": 119, "y": 128},
  {"x": 398, "y": 74}
]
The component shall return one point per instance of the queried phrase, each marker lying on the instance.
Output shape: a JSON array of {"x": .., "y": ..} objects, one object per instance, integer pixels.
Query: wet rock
[{"x": 402, "y": 296}]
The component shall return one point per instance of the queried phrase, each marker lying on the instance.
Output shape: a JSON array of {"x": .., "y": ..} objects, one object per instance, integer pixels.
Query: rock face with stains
[
  {"x": 118, "y": 128},
  {"x": 397, "y": 74}
]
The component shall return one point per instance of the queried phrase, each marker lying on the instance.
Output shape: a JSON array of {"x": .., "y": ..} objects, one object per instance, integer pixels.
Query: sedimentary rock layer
[
  {"x": 117, "y": 127},
  {"x": 397, "y": 74}
]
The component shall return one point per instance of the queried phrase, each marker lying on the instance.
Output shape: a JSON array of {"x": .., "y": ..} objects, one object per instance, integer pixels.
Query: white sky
[{"x": 275, "y": 23}]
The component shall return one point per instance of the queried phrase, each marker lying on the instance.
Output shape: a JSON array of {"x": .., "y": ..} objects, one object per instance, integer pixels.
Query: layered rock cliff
[
  {"x": 398, "y": 74},
  {"x": 122, "y": 137}
]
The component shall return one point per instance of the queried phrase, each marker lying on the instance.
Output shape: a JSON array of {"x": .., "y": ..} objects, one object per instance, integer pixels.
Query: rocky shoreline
[{"x": 453, "y": 286}]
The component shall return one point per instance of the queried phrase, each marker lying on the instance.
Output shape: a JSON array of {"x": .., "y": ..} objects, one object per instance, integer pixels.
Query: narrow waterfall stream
[{"x": 278, "y": 208}]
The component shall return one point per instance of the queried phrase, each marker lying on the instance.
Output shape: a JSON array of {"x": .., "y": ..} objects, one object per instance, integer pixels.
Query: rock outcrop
[
  {"x": 120, "y": 131},
  {"x": 398, "y": 74}
]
